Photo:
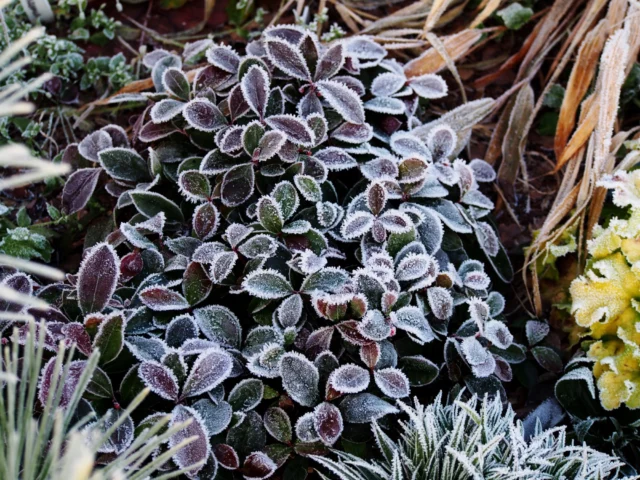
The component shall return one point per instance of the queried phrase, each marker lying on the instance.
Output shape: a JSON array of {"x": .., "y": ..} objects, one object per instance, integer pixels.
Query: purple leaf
[
  {"x": 237, "y": 185},
  {"x": 160, "y": 379},
  {"x": 255, "y": 88},
  {"x": 392, "y": 382},
  {"x": 203, "y": 115},
  {"x": 79, "y": 187},
  {"x": 226, "y": 456},
  {"x": 336, "y": 159},
  {"x": 197, "y": 452},
  {"x": 224, "y": 57},
  {"x": 296, "y": 130},
  {"x": 258, "y": 466},
  {"x": 238, "y": 106},
  {"x": 356, "y": 225},
  {"x": 97, "y": 278},
  {"x": 93, "y": 144},
  {"x": 160, "y": 298},
  {"x": 206, "y": 220},
  {"x": 75, "y": 333},
  {"x": 441, "y": 141},
  {"x": 328, "y": 423},
  {"x": 150, "y": 132},
  {"x": 288, "y": 58},
  {"x": 67, "y": 388},
  {"x": 344, "y": 100},
  {"x": 231, "y": 140},
  {"x": 319, "y": 341},
  {"x": 376, "y": 196},
  {"x": 330, "y": 63},
  {"x": 353, "y": 133},
  {"x": 210, "y": 369}
]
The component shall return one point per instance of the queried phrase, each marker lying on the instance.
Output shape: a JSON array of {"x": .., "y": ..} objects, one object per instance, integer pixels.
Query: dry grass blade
[
  {"x": 581, "y": 76},
  {"x": 582, "y": 133},
  {"x": 437, "y": 10},
  {"x": 431, "y": 60},
  {"x": 489, "y": 7},
  {"x": 416, "y": 11},
  {"x": 515, "y": 140},
  {"x": 441, "y": 49}
]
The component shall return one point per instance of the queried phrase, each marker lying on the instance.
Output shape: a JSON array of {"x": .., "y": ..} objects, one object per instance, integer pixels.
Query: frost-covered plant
[
  {"x": 292, "y": 240},
  {"x": 473, "y": 439},
  {"x": 48, "y": 431},
  {"x": 604, "y": 299}
]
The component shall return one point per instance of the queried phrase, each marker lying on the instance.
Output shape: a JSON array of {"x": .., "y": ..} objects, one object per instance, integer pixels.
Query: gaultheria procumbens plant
[
  {"x": 471, "y": 440},
  {"x": 49, "y": 431},
  {"x": 294, "y": 248}
]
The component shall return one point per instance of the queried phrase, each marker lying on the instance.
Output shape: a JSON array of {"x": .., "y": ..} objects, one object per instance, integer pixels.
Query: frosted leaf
[
  {"x": 311, "y": 263},
  {"x": 482, "y": 171},
  {"x": 440, "y": 302},
  {"x": 478, "y": 311},
  {"x": 194, "y": 186},
  {"x": 386, "y": 84},
  {"x": 93, "y": 144},
  {"x": 496, "y": 303},
  {"x": 328, "y": 214},
  {"x": 235, "y": 233},
  {"x": 270, "y": 144},
  {"x": 392, "y": 382},
  {"x": 536, "y": 331},
  {"x": 478, "y": 199},
  {"x": 390, "y": 106},
  {"x": 309, "y": 105},
  {"x": 327, "y": 420},
  {"x": 498, "y": 334},
  {"x": 365, "y": 408},
  {"x": 175, "y": 82},
  {"x": 258, "y": 466},
  {"x": 226, "y": 456},
  {"x": 330, "y": 63},
  {"x": 278, "y": 424},
  {"x": 296, "y": 130},
  {"x": 476, "y": 280},
  {"x": 146, "y": 349},
  {"x": 336, "y": 159},
  {"x": 349, "y": 379},
  {"x": 231, "y": 140},
  {"x": 165, "y": 110},
  {"x": 329, "y": 279},
  {"x": 503, "y": 370},
  {"x": 395, "y": 221},
  {"x": 260, "y": 246},
  {"x": 412, "y": 320},
  {"x": 429, "y": 86},
  {"x": 290, "y": 311},
  {"x": 473, "y": 351},
  {"x": 180, "y": 329},
  {"x": 255, "y": 88},
  {"x": 97, "y": 278},
  {"x": 246, "y": 395},
  {"x": 364, "y": 48},
  {"x": 210, "y": 369},
  {"x": 160, "y": 66},
  {"x": 269, "y": 214},
  {"x": 318, "y": 124},
  {"x": 219, "y": 324},
  {"x": 198, "y": 450},
  {"x": 203, "y": 115},
  {"x": 380, "y": 168},
  {"x": 196, "y": 346},
  {"x": 121, "y": 437},
  {"x": 224, "y": 57},
  {"x": 160, "y": 298},
  {"x": 487, "y": 238},
  {"x": 408, "y": 145},
  {"x": 68, "y": 389},
  {"x": 376, "y": 196},
  {"x": 441, "y": 141},
  {"x": 370, "y": 354},
  {"x": 267, "y": 284},
  {"x": 222, "y": 266},
  {"x": 160, "y": 379},
  {"x": 353, "y": 133},
  {"x": 297, "y": 227},
  {"x": 206, "y": 252},
  {"x": 308, "y": 187},
  {"x": 193, "y": 49},
  {"x": 374, "y": 326},
  {"x": 319, "y": 341},
  {"x": 206, "y": 220},
  {"x": 414, "y": 266},
  {"x": 356, "y": 225},
  {"x": 305, "y": 428},
  {"x": 343, "y": 100},
  {"x": 216, "y": 418},
  {"x": 287, "y": 58},
  {"x": 300, "y": 378}
]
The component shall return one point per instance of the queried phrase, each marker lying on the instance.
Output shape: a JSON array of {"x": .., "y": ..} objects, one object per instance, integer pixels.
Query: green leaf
[
  {"x": 269, "y": 214},
  {"x": 99, "y": 386},
  {"x": 22, "y": 243},
  {"x": 515, "y": 16},
  {"x": 22, "y": 217},
  {"x": 110, "y": 338},
  {"x": 246, "y": 395},
  {"x": 251, "y": 137},
  {"x": 124, "y": 164},
  {"x": 554, "y": 97},
  {"x": 150, "y": 204},
  {"x": 196, "y": 284},
  {"x": 419, "y": 370}
]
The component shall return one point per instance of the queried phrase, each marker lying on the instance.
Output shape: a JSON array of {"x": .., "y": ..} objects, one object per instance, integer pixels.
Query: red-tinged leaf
[
  {"x": 196, "y": 284},
  {"x": 206, "y": 220},
  {"x": 196, "y": 452},
  {"x": 97, "y": 278},
  {"x": 258, "y": 466},
  {"x": 392, "y": 382},
  {"x": 68, "y": 385},
  {"x": 328, "y": 423},
  {"x": 238, "y": 106},
  {"x": 351, "y": 334},
  {"x": 370, "y": 354},
  {"x": 78, "y": 188},
  {"x": 150, "y": 132},
  {"x": 209, "y": 370},
  {"x": 160, "y": 379},
  {"x": 131, "y": 265},
  {"x": 226, "y": 456},
  {"x": 210, "y": 77},
  {"x": 288, "y": 58},
  {"x": 75, "y": 333},
  {"x": 319, "y": 341},
  {"x": 376, "y": 197},
  {"x": 255, "y": 88},
  {"x": 296, "y": 130},
  {"x": 159, "y": 298}
]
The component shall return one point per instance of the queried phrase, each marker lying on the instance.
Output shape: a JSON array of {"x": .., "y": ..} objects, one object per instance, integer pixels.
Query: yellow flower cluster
[{"x": 606, "y": 299}]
